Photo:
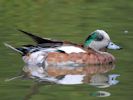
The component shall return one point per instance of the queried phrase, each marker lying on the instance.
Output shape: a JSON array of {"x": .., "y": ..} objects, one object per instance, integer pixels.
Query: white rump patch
[{"x": 35, "y": 58}]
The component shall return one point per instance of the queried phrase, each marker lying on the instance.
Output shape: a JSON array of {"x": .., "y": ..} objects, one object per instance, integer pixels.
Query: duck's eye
[{"x": 99, "y": 38}]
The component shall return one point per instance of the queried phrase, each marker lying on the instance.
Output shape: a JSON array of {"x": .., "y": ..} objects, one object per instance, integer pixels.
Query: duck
[{"x": 57, "y": 53}]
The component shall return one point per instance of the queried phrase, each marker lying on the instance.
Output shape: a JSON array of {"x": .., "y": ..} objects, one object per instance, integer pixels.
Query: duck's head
[{"x": 99, "y": 40}]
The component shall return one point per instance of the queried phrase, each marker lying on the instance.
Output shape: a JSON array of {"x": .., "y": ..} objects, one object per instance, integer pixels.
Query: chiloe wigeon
[
  {"x": 53, "y": 52},
  {"x": 56, "y": 58}
]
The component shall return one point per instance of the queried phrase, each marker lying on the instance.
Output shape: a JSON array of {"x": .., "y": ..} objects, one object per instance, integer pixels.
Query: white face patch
[
  {"x": 103, "y": 33},
  {"x": 71, "y": 49},
  {"x": 99, "y": 40}
]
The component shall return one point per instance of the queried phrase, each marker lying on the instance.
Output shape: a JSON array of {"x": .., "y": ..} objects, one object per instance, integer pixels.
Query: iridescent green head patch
[{"x": 90, "y": 39}]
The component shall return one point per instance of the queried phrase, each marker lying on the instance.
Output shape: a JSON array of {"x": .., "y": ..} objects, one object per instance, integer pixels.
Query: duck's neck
[
  {"x": 103, "y": 50},
  {"x": 97, "y": 50}
]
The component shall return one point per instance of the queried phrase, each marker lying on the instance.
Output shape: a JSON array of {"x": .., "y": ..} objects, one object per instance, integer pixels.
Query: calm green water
[{"x": 70, "y": 20}]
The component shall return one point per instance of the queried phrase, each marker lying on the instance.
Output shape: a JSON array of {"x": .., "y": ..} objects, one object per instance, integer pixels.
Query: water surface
[{"x": 64, "y": 20}]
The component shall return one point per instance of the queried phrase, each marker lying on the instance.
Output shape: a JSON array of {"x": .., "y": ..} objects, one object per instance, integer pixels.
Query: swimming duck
[{"x": 58, "y": 53}]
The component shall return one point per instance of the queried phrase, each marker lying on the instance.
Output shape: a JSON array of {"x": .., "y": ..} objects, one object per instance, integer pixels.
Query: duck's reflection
[
  {"x": 104, "y": 80},
  {"x": 95, "y": 75}
]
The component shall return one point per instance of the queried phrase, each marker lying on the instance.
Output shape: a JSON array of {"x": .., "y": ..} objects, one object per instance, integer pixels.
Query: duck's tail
[
  {"x": 21, "y": 51},
  {"x": 37, "y": 39}
]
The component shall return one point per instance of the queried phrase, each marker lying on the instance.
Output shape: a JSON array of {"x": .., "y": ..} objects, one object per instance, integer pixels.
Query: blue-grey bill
[{"x": 111, "y": 45}]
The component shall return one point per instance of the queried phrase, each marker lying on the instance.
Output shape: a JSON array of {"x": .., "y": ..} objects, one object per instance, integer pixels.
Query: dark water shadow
[{"x": 32, "y": 91}]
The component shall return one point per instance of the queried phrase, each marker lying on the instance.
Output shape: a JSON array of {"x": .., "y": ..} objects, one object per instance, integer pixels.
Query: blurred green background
[{"x": 70, "y": 20}]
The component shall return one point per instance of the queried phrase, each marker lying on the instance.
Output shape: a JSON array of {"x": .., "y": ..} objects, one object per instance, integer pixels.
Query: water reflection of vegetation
[{"x": 33, "y": 90}]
